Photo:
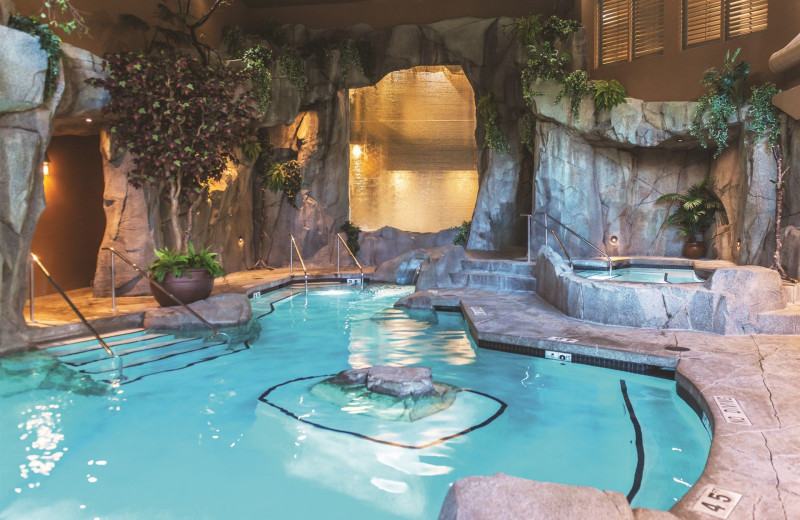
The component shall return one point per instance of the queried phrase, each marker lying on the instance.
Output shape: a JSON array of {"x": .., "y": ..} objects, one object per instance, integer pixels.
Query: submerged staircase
[
  {"x": 496, "y": 274},
  {"x": 143, "y": 353}
]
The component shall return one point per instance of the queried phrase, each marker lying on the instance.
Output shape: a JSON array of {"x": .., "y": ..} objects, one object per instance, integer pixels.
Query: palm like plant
[{"x": 696, "y": 209}]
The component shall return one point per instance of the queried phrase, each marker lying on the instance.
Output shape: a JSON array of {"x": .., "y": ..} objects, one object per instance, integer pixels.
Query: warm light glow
[
  {"x": 241, "y": 240},
  {"x": 357, "y": 152},
  {"x": 614, "y": 240},
  {"x": 35, "y": 258},
  {"x": 88, "y": 119},
  {"x": 46, "y": 164}
]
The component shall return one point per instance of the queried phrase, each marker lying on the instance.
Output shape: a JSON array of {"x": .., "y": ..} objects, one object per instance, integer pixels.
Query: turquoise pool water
[
  {"x": 643, "y": 274},
  {"x": 240, "y": 436}
]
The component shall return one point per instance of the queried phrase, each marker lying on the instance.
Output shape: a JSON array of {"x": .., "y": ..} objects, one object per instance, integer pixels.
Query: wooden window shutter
[
  {"x": 648, "y": 27},
  {"x": 745, "y": 16},
  {"x": 702, "y": 21},
  {"x": 614, "y": 27}
]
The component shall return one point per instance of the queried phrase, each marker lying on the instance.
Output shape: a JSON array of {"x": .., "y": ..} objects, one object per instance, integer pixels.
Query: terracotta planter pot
[
  {"x": 694, "y": 250},
  {"x": 194, "y": 285}
]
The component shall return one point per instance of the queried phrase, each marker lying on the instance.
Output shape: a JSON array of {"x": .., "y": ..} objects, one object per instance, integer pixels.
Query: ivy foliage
[
  {"x": 294, "y": 68},
  {"x": 353, "y": 54},
  {"x": 234, "y": 41},
  {"x": 528, "y": 132},
  {"x": 257, "y": 62},
  {"x": 608, "y": 94},
  {"x": 720, "y": 103},
  {"x": 286, "y": 177},
  {"x": 50, "y": 44},
  {"x": 62, "y": 15},
  {"x": 352, "y": 231},
  {"x": 462, "y": 234},
  {"x": 494, "y": 139},
  {"x": 765, "y": 115},
  {"x": 576, "y": 86},
  {"x": 544, "y": 60}
]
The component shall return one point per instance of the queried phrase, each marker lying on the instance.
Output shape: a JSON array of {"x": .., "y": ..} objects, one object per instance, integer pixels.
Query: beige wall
[{"x": 675, "y": 75}]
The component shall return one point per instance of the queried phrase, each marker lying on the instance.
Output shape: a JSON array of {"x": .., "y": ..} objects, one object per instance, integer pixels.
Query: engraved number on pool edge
[
  {"x": 478, "y": 311},
  {"x": 731, "y": 410},
  {"x": 558, "y": 356},
  {"x": 255, "y": 295},
  {"x": 563, "y": 340},
  {"x": 717, "y": 502},
  {"x": 353, "y": 281}
]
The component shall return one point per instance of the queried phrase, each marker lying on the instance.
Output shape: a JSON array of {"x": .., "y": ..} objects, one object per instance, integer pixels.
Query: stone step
[
  {"x": 783, "y": 321},
  {"x": 499, "y": 266},
  {"x": 494, "y": 281}
]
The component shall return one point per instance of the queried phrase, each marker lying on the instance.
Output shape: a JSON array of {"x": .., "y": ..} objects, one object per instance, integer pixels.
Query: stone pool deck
[{"x": 759, "y": 461}]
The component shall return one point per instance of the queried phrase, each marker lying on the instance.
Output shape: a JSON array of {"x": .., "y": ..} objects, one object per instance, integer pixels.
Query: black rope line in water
[
  {"x": 245, "y": 346},
  {"x": 272, "y": 304},
  {"x": 637, "y": 428},
  {"x": 263, "y": 399}
]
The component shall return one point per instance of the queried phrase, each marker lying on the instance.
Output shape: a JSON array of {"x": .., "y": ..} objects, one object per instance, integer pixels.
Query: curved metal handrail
[
  {"x": 547, "y": 228},
  {"x": 338, "y": 269},
  {"x": 291, "y": 260},
  {"x": 78, "y": 313},
  {"x": 161, "y": 288}
]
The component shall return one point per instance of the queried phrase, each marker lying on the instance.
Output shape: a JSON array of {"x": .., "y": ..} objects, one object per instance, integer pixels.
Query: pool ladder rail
[
  {"x": 338, "y": 257},
  {"x": 548, "y": 229},
  {"x": 293, "y": 249},
  {"x": 117, "y": 359},
  {"x": 113, "y": 252}
]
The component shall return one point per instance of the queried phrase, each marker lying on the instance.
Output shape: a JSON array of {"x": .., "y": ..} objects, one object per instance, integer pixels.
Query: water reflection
[{"x": 413, "y": 158}]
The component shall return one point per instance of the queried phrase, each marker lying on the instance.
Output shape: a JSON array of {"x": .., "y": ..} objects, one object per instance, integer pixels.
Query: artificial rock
[
  {"x": 221, "y": 310},
  {"x": 514, "y": 498},
  {"x": 23, "y": 65}
]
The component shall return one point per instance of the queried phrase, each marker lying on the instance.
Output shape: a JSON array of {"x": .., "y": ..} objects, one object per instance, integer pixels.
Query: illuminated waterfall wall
[{"x": 413, "y": 158}]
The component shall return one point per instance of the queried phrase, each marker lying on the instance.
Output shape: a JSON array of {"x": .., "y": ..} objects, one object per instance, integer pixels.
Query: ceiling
[{"x": 297, "y": 3}]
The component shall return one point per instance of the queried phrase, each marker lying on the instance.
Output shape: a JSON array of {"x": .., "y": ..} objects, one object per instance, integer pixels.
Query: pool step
[
  {"x": 500, "y": 275},
  {"x": 142, "y": 352}
]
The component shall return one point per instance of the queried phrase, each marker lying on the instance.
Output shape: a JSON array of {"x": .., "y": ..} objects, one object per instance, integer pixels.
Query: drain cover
[{"x": 677, "y": 349}]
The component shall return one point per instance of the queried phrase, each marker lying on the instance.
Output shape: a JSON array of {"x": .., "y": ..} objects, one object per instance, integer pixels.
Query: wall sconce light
[
  {"x": 613, "y": 241},
  {"x": 46, "y": 164},
  {"x": 88, "y": 119},
  {"x": 738, "y": 245},
  {"x": 357, "y": 151},
  {"x": 241, "y": 240}
]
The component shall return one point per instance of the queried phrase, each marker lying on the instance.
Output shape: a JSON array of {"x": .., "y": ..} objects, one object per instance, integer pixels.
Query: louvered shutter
[
  {"x": 745, "y": 16},
  {"x": 614, "y": 26},
  {"x": 648, "y": 27},
  {"x": 702, "y": 21}
]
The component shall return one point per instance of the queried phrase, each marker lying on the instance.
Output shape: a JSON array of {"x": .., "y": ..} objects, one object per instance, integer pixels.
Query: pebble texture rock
[
  {"x": 400, "y": 382},
  {"x": 23, "y": 65},
  {"x": 221, "y": 310},
  {"x": 513, "y": 498},
  {"x": 25, "y": 129}
]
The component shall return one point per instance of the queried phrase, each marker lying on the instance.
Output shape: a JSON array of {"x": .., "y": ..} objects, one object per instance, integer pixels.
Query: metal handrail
[
  {"x": 76, "y": 311},
  {"x": 291, "y": 260},
  {"x": 338, "y": 268},
  {"x": 161, "y": 288},
  {"x": 547, "y": 228}
]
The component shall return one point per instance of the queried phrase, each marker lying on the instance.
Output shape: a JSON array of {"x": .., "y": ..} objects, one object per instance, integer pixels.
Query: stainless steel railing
[
  {"x": 113, "y": 252},
  {"x": 338, "y": 267},
  {"x": 548, "y": 229},
  {"x": 293, "y": 249},
  {"x": 78, "y": 313}
]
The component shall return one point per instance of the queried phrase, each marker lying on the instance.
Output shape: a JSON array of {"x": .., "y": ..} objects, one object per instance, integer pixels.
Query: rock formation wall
[
  {"x": 25, "y": 128},
  {"x": 602, "y": 173}
]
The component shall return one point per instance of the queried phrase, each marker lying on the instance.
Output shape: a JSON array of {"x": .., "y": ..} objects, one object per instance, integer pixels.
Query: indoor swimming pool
[{"x": 240, "y": 434}]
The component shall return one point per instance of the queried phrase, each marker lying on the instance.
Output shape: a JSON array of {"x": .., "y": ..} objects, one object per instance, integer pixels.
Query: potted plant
[
  {"x": 187, "y": 275},
  {"x": 694, "y": 214}
]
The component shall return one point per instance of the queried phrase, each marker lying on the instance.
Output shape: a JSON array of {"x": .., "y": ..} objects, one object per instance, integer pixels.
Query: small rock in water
[
  {"x": 400, "y": 381},
  {"x": 355, "y": 376}
]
